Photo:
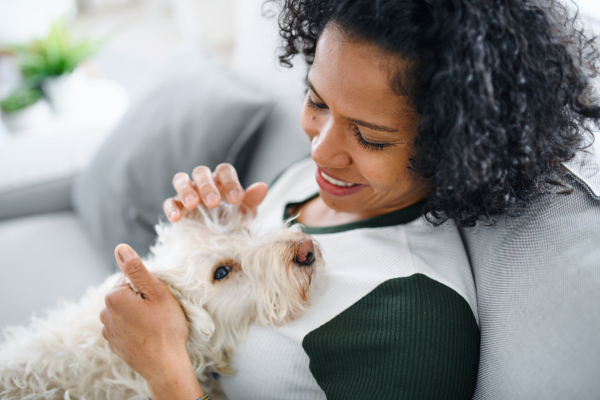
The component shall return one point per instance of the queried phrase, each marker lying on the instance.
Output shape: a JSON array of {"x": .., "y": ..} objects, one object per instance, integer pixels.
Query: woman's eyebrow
[{"x": 356, "y": 121}]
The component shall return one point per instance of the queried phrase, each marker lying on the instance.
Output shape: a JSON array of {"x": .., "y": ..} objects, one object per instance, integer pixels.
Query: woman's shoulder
[
  {"x": 409, "y": 325},
  {"x": 410, "y": 337},
  {"x": 359, "y": 260},
  {"x": 393, "y": 312}
]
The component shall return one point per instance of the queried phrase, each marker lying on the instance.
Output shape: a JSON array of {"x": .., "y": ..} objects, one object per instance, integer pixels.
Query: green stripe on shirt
[
  {"x": 398, "y": 217},
  {"x": 410, "y": 338}
]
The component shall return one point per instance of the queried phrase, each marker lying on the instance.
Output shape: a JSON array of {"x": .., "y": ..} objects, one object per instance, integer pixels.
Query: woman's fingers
[
  {"x": 173, "y": 209},
  {"x": 205, "y": 184},
  {"x": 255, "y": 194},
  {"x": 134, "y": 269},
  {"x": 186, "y": 190},
  {"x": 210, "y": 188},
  {"x": 228, "y": 183}
]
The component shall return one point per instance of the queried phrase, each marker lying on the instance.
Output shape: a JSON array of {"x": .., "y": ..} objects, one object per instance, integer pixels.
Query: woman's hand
[
  {"x": 210, "y": 188},
  {"x": 148, "y": 330}
]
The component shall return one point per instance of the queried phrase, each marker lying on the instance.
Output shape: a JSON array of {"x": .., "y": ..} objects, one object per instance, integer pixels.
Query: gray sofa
[{"x": 537, "y": 276}]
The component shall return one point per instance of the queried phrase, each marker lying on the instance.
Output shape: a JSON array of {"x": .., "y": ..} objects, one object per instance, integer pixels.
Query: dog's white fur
[{"x": 64, "y": 356}]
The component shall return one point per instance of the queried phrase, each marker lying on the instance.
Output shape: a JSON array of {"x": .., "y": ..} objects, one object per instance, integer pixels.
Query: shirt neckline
[{"x": 398, "y": 217}]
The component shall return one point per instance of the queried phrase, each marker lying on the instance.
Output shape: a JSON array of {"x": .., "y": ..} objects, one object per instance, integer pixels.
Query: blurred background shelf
[
  {"x": 64, "y": 144},
  {"x": 140, "y": 36}
]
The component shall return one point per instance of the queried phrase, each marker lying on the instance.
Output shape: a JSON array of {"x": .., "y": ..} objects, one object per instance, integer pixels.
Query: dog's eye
[{"x": 221, "y": 272}]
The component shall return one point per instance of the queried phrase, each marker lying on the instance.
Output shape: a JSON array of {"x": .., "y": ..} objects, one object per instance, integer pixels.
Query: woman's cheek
[{"x": 388, "y": 169}]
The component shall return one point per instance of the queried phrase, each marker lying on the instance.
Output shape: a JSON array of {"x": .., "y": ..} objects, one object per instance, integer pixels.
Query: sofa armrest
[
  {"x": 38, "y": 198},
  {"x": 43, "y": 259}
]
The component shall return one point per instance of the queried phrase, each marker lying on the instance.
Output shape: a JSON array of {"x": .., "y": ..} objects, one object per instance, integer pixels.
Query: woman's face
[{"x": 361, "y": 131}]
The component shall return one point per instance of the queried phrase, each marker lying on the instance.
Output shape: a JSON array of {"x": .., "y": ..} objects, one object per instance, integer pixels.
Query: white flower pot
[
  {"x": 36, "y": 114},
  {"x": 65, "y": 91}
]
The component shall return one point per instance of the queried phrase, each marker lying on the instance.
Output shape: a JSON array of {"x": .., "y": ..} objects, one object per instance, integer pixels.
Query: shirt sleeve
[{"x": 410, "y": 338}]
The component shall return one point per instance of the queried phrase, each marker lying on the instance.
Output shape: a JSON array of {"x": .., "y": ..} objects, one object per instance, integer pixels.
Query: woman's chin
[{"x": 346, "y": 204}]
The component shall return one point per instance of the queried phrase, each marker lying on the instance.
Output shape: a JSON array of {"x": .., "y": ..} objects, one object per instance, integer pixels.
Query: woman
[{"x": 463, "y": 110}]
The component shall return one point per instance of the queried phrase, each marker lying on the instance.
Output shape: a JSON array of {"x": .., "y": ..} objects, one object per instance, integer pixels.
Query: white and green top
[{"x": 394, "y": 315}]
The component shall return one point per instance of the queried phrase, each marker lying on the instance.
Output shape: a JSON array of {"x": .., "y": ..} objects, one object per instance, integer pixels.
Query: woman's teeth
[{"x": 336, "y": 182}]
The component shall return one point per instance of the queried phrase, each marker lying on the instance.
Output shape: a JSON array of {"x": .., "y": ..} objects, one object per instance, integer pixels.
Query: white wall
[
  {"x": 589, "y": 8},
  {"x": 23, "y": 20}
]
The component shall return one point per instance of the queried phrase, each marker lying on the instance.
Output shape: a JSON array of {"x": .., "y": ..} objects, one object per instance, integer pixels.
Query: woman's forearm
[{"x": 176, "y": 383}]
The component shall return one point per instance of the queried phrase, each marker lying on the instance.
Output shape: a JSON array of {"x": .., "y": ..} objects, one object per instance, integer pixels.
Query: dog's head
[{"x": 216, "y": 264}]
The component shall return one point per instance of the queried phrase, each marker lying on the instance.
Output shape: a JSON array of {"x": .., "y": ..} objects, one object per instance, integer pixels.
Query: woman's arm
[
  {"x": 410, "y": 338},
  {"x": 148, "y": 330}
]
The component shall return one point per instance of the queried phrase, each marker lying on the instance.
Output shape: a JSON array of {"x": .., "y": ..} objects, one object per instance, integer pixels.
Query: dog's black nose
[{"x": 306, "y": 253}]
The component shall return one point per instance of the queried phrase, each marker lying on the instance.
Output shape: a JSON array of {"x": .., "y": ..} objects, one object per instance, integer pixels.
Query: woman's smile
[
  {"x": 334, "y": 180},
  {"x": 334, "y": 186}
]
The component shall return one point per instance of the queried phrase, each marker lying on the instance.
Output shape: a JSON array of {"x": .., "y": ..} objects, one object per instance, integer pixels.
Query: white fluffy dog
[{"x": 224, "y": 275}]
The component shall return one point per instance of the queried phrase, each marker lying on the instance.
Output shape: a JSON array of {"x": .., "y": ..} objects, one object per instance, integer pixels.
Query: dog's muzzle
[{"x": 306, "y": 253}]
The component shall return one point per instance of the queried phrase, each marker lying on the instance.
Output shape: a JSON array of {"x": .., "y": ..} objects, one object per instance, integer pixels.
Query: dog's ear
[{"x": 200, "y": 323}]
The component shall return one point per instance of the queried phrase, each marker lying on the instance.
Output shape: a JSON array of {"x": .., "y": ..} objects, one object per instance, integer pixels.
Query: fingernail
[
  {"x": 173, "y": 214},
  {"x": 189, "y": 199},
  {"x": 212, "y": 198},
  {"x": 126, "y": 253},
  {"x": 234, "y": 195}
]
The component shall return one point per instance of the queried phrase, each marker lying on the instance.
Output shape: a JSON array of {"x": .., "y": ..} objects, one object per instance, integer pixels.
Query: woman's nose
[{"x": 328, "y": 145}]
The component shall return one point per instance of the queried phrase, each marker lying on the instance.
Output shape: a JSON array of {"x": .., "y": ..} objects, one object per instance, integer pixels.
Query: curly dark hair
[{"x": 504, "y": 89}]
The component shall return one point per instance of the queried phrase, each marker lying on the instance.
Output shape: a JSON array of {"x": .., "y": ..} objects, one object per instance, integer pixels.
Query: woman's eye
[
  {"x": 368, "y": 145},
  {"x": 221, "y": 273},
  {"x": 314, "y": 105}
]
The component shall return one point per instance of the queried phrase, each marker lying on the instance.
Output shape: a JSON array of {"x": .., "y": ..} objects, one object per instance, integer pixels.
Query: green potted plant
[
  {"x": 51, "y": 64},
  {"x": 24, "y": 107}
]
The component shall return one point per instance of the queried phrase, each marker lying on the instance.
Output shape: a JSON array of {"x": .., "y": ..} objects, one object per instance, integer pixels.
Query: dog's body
[{"x": 224, "y": 276}]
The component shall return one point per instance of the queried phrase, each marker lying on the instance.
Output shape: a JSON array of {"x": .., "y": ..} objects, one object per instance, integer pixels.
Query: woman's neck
[{"x": 316, "y": 213}]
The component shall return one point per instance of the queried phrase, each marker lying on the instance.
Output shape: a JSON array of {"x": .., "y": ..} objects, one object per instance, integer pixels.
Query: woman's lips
[{"x": 328, "y": 184}]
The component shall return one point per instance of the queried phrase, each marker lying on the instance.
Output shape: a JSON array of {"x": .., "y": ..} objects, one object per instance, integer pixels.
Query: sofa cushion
[
  {"x": 39, "y": 198},
  {"x": 45, "y": 258},
  {"x": 197, "y": 113},
  {"x": 538, "y": 291},
  {"x": 281, "y": 141}
]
